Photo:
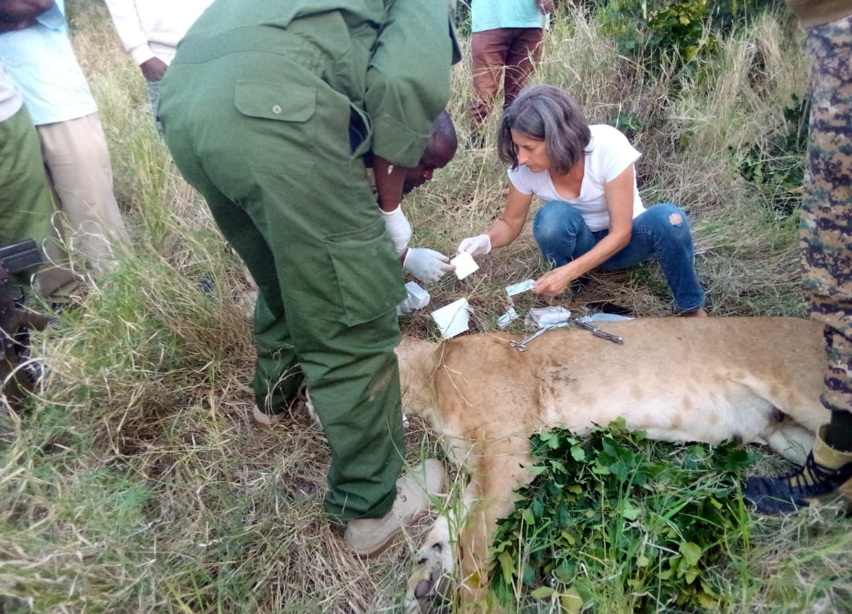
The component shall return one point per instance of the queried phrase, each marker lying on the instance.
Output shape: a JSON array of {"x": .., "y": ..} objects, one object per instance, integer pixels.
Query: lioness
[{"x": 701, "y": 379}]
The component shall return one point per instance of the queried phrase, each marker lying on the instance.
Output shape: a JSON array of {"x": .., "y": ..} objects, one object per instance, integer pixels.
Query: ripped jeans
[{"x": 562, "y": 236}]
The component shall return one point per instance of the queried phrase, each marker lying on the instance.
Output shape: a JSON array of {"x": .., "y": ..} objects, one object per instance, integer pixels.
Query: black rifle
[{"x": 16, "y": 320}]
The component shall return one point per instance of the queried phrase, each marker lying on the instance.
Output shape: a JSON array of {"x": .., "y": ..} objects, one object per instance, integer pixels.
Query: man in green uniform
[{"x": 257, "y": 109}]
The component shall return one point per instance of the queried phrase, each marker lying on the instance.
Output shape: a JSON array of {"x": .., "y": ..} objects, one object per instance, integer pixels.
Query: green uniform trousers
[
  {"x": 26, "y": 206},
  {"x": 265, "y": 139}
]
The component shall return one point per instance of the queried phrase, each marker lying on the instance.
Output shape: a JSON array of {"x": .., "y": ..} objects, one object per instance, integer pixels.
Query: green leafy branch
[{"x": 651, "y": 519}]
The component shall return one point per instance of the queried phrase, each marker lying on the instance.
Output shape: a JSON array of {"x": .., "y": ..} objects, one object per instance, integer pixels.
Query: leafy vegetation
[
  {"x": 778, "y": 167},
  {"x": 654, "y": 521},
  {"x": 649, "y": 30},
  {"x": 674, "y": 34}
]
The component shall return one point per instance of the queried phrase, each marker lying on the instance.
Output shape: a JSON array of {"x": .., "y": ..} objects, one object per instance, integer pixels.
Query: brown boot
[
  {"x": 370, "y": 536},
  {"x": 826, "y": 471}
]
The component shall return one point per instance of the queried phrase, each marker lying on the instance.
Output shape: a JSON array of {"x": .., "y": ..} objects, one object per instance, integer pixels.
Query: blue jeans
[
  {"x": 154, "y": 96},
  {"x": 562, "y": 235}
]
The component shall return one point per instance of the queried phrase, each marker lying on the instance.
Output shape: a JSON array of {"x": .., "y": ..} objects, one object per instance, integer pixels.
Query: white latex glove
[
  {"x": 427, "y": 265},
  {"x": 476, "y": 246},
  {"x": 398, "y": 228}
]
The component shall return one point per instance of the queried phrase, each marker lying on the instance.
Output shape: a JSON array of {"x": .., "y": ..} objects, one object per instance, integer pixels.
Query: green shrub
[
  {"x": 778, "y": 168},
  {"x": 652, "y": 521},
  {"x": 656, "y": 32}
]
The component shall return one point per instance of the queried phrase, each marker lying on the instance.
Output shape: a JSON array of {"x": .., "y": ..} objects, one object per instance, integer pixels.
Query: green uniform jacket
[{"x": 393, "y": 36}]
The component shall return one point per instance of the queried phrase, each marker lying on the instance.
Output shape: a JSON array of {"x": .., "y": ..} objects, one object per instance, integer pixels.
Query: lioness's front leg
[
  {"x": 501, "y": 470},
  {"x": 496, "y": 470},
  {"x": 430, "y": 584}
]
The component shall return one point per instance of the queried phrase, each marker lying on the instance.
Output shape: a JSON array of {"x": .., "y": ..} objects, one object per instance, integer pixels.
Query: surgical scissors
[{"x": 521, "y": 346}]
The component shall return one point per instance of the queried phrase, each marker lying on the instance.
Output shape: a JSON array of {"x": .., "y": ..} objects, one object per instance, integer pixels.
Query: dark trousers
[{"x": 502, "y": 54}]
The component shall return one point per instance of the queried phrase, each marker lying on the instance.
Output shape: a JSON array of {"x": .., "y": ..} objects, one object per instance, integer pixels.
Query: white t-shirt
[
  {"x": 608, "y": 154},
  {"x": 153, "y": 28}
]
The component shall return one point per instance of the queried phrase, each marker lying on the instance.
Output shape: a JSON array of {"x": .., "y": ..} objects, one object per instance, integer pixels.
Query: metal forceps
[
  {"x": 597, "y": 332},
  {"x": 521, "y": 346}
]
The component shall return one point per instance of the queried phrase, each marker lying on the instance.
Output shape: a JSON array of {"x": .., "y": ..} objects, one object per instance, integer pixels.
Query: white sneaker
[
  {"x": 262, "y": 419},
  {"x": 370, "y": 536}
]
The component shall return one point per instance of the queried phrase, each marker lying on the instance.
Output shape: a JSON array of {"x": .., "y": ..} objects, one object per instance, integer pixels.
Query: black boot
[{"x": 826, "y": 470}]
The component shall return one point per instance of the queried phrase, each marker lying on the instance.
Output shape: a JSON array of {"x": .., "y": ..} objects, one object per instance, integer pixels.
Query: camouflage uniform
[
  {"x": 826, "y": 229},
  {"x": 826, "y": 244}
]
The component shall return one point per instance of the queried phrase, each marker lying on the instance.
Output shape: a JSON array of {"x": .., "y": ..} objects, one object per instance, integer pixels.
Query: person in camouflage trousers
[{"x": 826, "y": 248}]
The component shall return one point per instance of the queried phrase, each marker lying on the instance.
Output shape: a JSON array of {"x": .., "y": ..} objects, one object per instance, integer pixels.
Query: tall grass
[{"x": 136, "y": 484}]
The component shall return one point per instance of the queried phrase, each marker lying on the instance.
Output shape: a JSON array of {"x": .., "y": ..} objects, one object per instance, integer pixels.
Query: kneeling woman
[{"x": 592, "y": 217}]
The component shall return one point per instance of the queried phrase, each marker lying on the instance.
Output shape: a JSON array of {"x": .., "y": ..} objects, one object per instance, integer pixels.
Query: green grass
[{"x": 135, "y": 482}]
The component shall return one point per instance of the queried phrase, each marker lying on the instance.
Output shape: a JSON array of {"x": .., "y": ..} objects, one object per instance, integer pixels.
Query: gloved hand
[
  {"x": 427, "y": 265},
  {"x": 476, "y": 246},
  {"x": 398, "y": 228}
]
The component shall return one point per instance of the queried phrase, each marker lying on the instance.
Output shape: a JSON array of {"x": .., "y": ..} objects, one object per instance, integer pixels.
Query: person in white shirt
[
  {"x": 150, "y": 31},
  {"x": 592, "y": 217}
]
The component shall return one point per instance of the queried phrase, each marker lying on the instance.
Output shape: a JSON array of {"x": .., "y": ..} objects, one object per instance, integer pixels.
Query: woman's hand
[
  {"x": 476, "y": 246},
  {"x": 555, "y": 282},
  {"x": 505, "y": 230}
]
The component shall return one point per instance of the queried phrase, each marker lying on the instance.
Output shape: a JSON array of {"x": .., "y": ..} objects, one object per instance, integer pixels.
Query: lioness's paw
[{"x": 429, "y": 587}]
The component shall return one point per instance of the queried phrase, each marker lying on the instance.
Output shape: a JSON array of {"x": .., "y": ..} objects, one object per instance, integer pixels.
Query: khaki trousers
[{"x": 80, "y": 172}]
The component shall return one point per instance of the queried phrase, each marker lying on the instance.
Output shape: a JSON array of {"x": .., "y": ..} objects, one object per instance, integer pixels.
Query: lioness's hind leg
[{"x": 791, "y": 441}]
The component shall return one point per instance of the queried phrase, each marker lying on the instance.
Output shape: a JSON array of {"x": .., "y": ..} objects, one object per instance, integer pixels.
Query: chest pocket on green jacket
[{"x": 283, "y": 135}]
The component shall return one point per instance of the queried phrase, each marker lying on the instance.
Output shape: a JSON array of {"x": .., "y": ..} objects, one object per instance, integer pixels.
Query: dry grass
[{"x": 136, "y": 484}]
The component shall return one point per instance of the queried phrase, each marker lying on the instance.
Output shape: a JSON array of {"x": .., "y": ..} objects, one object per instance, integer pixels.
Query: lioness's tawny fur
[{"x": 678, "y": 379}]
